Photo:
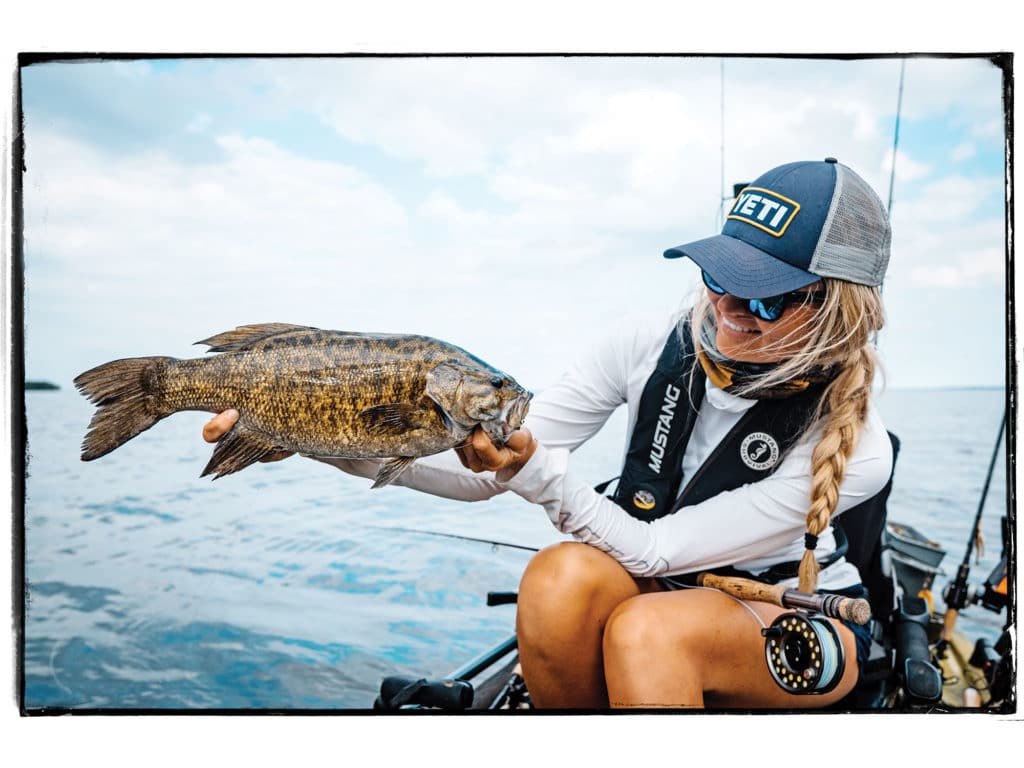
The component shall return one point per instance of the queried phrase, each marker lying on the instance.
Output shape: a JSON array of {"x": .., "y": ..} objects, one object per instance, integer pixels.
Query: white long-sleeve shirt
[{"x": 752, "y": 527}]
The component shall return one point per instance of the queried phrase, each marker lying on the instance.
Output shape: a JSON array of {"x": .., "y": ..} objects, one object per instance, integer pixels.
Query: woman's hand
[
  {"x": 222, "y": 423},
  {"x": 480, "y": 455}
]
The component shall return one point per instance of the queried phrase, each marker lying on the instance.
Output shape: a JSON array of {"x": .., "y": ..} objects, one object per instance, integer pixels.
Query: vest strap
[{"x": 652, "y": 475}]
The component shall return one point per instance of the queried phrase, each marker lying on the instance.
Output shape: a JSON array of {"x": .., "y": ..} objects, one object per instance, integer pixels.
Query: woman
[{"x": 751, "y": 428}]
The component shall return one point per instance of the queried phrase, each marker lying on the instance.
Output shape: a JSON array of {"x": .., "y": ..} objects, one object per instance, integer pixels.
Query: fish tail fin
[{"x": 127, "y": 394}]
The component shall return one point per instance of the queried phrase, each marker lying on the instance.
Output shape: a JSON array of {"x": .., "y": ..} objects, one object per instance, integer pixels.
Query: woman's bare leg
[
  {"x": 566, "y": 595},
  {"x": 697, "y": 648}
]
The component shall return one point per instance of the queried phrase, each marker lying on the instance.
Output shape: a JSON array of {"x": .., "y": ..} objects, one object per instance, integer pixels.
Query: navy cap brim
[{"x": 742, "y": 269}]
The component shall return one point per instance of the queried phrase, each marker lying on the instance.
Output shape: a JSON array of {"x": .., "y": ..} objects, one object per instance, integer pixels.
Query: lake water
[{"x": 282, "y": 587}]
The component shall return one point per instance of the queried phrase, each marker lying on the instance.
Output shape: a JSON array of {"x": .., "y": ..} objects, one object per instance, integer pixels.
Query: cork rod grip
[
  {"x": 745, "y": 589},
  {"x": 852, "y": 609},
  {"x": 948, "y": 623}
]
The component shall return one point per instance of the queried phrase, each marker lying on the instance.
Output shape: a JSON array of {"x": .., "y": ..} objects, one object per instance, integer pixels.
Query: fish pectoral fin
[
  {"x": 237, "y": 450},
  {"x": 391, "y": 469},
  {"x": 391, "y": 418},
  {"x": 244, "y": 336},
  {"x": 429, "y": 401}
]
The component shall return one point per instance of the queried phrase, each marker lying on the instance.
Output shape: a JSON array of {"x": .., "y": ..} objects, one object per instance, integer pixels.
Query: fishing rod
[
  {"x": 852, "y": 609},
  {"x": 958, "y": 593},
  {"x": 442, "y": 534},
  {"x": 896, "y": 137}
]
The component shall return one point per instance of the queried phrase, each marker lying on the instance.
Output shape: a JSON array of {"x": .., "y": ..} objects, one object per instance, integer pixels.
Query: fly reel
[{"x": 804, "y": 653}]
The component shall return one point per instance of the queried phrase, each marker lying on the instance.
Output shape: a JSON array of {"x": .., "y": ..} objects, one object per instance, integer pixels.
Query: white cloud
[
  {"x": 182, "y": 250},
  {"x": 256, "y": 207},
  {"x": 982, "y": 265},
  {"x": 962, "y": 88},
  {"x": 199, "y": 123},
  {"x": 907, "y": 169},
  {"x": 949, "y": 200},
  {"x": 993, "y": 128},
  {"x": 965, "y": 150}
]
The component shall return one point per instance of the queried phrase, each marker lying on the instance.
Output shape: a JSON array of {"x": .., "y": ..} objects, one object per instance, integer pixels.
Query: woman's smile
[{"x": 736, "y": 327}]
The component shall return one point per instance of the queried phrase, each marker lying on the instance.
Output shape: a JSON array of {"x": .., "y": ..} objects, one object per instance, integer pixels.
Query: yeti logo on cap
[{"x": 765, "y": 210}]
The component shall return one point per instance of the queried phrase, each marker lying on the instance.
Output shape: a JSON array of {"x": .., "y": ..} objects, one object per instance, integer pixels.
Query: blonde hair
[{"x": 838, "y": 335}]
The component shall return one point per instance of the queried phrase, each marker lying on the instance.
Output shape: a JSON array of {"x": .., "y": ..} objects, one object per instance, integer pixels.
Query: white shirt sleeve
[
  {"x": 749, "y": 523},
  {"x": 563, "y": 416}
]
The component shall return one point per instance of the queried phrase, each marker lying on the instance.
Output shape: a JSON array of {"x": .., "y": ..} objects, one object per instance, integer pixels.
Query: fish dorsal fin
[{"x": 245, "y": 336}]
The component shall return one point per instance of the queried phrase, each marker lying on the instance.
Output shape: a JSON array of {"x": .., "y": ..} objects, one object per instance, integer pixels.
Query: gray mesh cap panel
[{"x": 854, "y": 243}]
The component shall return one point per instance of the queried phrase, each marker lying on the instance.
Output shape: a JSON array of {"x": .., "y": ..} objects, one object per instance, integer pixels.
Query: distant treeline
[{"x": 40, "y": 385}]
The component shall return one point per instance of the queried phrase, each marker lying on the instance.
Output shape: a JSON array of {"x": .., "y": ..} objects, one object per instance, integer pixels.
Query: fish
[{"x": 318, "y": 393}]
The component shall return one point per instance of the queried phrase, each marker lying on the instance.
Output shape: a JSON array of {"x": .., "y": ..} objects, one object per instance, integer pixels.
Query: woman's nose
[{"x": 729, "y": 303}]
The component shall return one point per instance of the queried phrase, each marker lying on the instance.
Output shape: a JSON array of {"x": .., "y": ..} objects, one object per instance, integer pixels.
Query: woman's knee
[
  {"x": 570, "y": 581},
  {"x": 569, "y": 567},
  {"x": 639, "y": 628}
]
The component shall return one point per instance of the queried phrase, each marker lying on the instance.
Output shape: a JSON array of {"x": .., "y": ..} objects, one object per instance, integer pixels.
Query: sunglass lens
[
  {"x": 768, "y": 309},
  {"x": 710, "y": 283}
]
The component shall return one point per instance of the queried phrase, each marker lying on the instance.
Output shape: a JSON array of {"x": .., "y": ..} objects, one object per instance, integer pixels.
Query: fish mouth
[
  {"x": 515, "y": 411},
  {"x": 511, "y": 419}
]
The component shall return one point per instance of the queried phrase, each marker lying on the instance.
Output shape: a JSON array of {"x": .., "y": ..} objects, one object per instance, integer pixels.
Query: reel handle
[{"x": 852, "y": 609}]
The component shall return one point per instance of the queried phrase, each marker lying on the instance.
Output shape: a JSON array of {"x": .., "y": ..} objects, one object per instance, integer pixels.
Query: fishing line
[
  {"x": 752, "y": 612},
  {"x": 457, "y": 536}
]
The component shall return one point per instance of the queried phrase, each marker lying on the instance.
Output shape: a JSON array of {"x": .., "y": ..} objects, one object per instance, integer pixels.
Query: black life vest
[
  {"x": 752, "y": 450},
  {"x": 648, "y": 487}
]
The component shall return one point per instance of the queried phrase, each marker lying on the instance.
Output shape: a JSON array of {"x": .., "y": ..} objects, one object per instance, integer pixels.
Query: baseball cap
[{"x": 795, "y": 224}]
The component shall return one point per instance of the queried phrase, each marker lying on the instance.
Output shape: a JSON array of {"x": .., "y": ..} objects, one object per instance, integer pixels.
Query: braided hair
[
  {"x": 838, "y": 335},
  {"x": 853, "y": 318}
]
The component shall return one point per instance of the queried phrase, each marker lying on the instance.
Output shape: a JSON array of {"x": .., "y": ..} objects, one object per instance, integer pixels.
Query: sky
[{"x": 517, "y": 207}]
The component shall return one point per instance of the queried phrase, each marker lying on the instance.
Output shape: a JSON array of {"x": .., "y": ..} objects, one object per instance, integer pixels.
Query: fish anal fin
[
  {"x": 237, "y": 450},
  {"x": 391, "y": 469},
  {"x": 391, "y": 418},
  {"x": 244, "y": 336}
]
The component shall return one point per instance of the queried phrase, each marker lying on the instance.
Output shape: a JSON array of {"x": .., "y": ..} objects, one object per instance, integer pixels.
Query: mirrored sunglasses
[{"x": 771, "y": 308}]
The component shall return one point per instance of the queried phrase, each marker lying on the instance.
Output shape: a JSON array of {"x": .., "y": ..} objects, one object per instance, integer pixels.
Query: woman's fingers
[
  {"x": 479, "y": 454},
  {"x": 490, "y": 457},
  {"x": 219, "y": 425},
  {"x": 519, "y": 440}
]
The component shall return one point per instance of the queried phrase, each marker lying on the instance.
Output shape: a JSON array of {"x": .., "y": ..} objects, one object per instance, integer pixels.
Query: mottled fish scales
[{"x": 310, "y": 391}]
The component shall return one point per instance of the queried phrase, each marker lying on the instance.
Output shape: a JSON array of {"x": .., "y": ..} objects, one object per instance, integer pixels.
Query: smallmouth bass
[{"x": 310, "y": 391}]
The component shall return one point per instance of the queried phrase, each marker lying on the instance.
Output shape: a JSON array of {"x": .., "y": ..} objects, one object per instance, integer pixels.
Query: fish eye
[{"x": 496, "y": 382}]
